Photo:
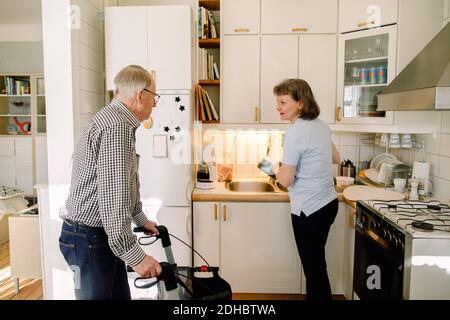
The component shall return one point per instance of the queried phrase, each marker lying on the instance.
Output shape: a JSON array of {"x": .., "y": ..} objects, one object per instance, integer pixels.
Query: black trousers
[{"x": 311, "y": 233}]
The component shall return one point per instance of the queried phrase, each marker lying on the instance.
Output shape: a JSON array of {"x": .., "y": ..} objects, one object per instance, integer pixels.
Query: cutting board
[{"x": 355, "y": 193}]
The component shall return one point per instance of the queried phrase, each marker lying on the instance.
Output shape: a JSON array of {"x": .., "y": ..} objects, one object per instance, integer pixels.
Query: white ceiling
[{"x": 20, "y": 12}]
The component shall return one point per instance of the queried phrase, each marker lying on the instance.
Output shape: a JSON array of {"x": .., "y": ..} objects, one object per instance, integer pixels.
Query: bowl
[{"x": 342, "y": 181}]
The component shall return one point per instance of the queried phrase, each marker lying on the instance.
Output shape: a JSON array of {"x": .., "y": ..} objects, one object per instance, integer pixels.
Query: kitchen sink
[
  {"x": 255, "y": 186},
  {"x": 252, "y": 186}
]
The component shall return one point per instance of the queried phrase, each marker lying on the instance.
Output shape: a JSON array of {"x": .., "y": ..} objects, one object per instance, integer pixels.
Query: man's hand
[
  {"x": 151, "y": 226},
  {"x": 148, "y": 268}
]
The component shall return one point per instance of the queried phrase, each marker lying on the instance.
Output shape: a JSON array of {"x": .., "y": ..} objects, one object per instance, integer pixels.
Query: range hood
[{"x": 424, "y": 84}]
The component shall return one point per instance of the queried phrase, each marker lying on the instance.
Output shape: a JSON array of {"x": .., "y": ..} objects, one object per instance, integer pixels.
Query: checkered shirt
[{"x": 105, "y": 183}]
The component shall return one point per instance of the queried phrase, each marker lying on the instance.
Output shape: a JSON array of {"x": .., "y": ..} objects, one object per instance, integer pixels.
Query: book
[
  {"x": 216, "y": 71},
  {"x": 202, "y": 115},
  {"x": 206, "y": 104},
  {"x": 213, "y": 108},
  {"x": 212, "y": 25}
]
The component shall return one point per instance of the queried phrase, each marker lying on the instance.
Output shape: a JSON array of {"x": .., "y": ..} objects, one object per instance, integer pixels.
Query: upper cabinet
[
  {"x": 152, "y": 27},
  {"x": 240, "y": 81},
  {"x": 240, "y": 17},
  {"x": 309, "y": 57},
  {"x": 363, "y": 14},
  {"x": 366, "y": 65},
  {"x": 311, "y": 16}
]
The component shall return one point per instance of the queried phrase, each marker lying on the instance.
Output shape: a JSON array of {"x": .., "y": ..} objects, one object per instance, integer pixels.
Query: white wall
[
  {"x": 26, "y": 57},
  {"x": 88, "y": 62}
]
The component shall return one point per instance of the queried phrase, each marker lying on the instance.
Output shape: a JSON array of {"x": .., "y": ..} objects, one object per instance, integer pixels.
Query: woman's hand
[{"x": 286, "y": 174}]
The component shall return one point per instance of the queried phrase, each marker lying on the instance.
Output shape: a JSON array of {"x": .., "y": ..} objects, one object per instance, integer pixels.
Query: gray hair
[{"x": 131, "y": 79}]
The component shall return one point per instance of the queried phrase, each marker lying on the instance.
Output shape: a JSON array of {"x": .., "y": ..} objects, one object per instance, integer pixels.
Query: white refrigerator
[{"x": 166, "y": 170}]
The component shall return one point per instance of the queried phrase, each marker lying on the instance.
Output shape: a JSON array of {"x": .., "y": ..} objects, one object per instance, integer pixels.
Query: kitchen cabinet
[
  {"x": 334, "y": 253},
  {"x": 419, "y": 21},
  {"x": 252, "y": 243},
  {"x": 362, "y": 14},
  {"x": 311, "y": 16},
  {"x": 366, "y": 65},
  {"x": 24, "y": 247},
  {"x": 349, "y": 245},
  {"x": 248, "y": 97},
  {"x": 240, "y": 17},
  {"x": 132, "y": 43},
  {"x": 240, "y": 79}
]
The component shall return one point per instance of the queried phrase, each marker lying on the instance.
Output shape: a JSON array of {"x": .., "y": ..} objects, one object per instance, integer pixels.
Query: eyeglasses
[{"x": 157, "y": 96}]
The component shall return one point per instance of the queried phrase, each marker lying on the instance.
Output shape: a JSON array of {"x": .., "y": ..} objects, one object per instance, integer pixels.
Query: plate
[{"x": 379, "y": 158}]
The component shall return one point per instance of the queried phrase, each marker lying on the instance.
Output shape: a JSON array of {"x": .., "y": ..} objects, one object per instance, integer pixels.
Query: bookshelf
[
  {"x": 22, "y": 104},
  {"x": 208, "y": 61}
]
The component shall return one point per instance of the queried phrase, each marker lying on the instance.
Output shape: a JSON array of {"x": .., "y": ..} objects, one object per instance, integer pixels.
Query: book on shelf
[
  {"x": 216, "y": 71},
  {"x": 15, "y": 86},
  {"x": 206, "y": 109},
  {"x": 206, "y": 104},
  {"x": 207, "y": 26},
  {"x": 211, "y": 105}
]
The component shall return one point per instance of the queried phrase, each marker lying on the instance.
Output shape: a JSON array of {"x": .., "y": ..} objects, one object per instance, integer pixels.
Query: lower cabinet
[{"x": 251, "y": 242}]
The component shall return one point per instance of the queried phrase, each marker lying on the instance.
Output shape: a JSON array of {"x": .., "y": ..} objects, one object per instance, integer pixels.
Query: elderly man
[{"x": 96, "y": 238}]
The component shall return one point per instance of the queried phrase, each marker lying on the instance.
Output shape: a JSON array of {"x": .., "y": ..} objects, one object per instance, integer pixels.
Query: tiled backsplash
[
  {"x": 244, "y": 149},
  {"x": 437, "y": 152}
]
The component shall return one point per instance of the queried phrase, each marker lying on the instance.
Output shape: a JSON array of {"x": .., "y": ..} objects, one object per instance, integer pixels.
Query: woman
[{"x": 307, "y": 171}]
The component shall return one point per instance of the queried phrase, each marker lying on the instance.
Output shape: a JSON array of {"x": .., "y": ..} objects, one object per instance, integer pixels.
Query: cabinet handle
[
  {"x": 241, "y": 30},
  {"x": 351, "y": 219},
  {"x": 215, "y": 211},
  {"x": 257, "y": 114},
  {"x": 299, "y": 29},
  {"x": 365, "y": 23},
  {"x": 338, "y": 114},
  {"x": 224, "y": 213}
]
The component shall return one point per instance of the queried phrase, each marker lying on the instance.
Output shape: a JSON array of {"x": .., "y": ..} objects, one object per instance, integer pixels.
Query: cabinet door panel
[
  {"x": 7, "y": 172},
  {"x": 240, "y": 79},
  {"x": 206, "y": 232},
  {"x": 240, "y": 16},
  {"x": 125, "y": 42},
  {"x": 169, "y": 46},
  {"x": 258, "y": 251},
  {"x": 285, "y": 16},
  {"x": 7, "y": 147},
  {"x": 279, "y": 60},
  {"x": 361, "y": 14},
  {"x": 317, "y": 65}
]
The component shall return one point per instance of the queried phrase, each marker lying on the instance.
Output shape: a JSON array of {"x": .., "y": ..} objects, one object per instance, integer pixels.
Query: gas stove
[
  {"x": 421, "y": 219},
  {"x": 409, "y": 243}
]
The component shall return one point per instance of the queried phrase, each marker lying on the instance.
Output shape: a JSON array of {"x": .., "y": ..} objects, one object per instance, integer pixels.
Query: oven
[{"x": 379, "y": 257}]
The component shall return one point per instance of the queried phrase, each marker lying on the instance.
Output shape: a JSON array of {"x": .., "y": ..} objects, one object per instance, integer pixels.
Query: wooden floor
[{"x": 30, "y": 289}]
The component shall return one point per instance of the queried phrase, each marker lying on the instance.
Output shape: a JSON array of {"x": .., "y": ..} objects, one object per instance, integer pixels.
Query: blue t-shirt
[{"x": 307, "y": 145}]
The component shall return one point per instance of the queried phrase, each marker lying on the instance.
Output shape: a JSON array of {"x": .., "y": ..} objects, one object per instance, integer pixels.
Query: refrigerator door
[
  {"x": 178, "y": 221},
  {"x": 165, "y": 168}
]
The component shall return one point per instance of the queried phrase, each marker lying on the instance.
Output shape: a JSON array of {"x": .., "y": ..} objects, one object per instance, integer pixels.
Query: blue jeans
[{"x": 98, "y": 273}]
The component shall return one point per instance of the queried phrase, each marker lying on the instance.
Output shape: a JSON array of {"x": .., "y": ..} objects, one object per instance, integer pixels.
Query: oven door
[{"x": 378, "y": 270}]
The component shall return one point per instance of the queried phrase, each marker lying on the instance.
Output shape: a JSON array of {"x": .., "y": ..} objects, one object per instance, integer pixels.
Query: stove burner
[
  {"x": 392, "y": 207},
  {"x": 433, "y": 207},
  {"x": 422, "y": 226}
]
